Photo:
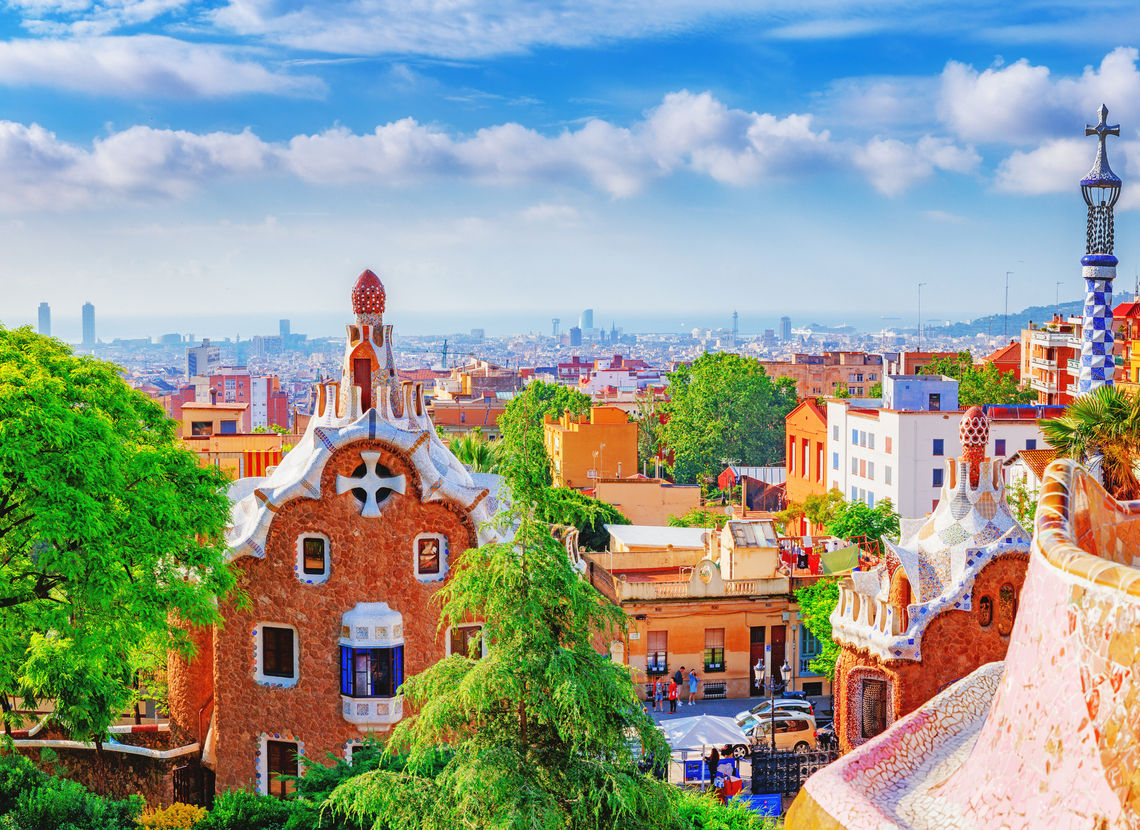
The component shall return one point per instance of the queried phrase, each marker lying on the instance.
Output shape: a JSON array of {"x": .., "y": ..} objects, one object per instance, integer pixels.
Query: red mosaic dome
[
  {"x": 975, "y": 428},
  {"x": 368, "y": 294}
]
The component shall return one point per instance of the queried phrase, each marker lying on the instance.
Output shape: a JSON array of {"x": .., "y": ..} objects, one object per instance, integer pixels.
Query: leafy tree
[
  {"x": 1105, "y": 423},
  {"x": 699, "y": 517},
  {"x": 110, "y": 534},
  {"x": 647, "y": 416},
  {"x": 724, "y": 406},
  {"x": 280, "y": 430},
  {"x": 980, "y": 385},
  {"x": 840, "y": 391},
  {"x": 819, "y": 510},
  {"x": 479, "y": 454},
  {"x": 816, "y": 602},
  {"x": 876, "y": 390},
  {"x": 566, "y": 506},
  {"x": 1023, "y": 502},
  {"x": 525, "y": 465},
  {"x": 855, "y": 518},
  {"x": 543, "y": 730}
]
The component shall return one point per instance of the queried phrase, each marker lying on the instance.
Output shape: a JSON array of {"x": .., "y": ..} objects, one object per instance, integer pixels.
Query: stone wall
[
  {"x": 371, "y": 561},
  {"x": 115, "y": 774}
]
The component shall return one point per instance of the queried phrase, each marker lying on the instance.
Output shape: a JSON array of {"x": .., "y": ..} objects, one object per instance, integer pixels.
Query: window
[
  {"x": 791, "y": 455},
  {"x": 936, "y": 478},
  {"x": 999, "y": 446},
  {"x": 835, "y": 461},
  {"x": 1007, "y": 608},
  {"x": 804, "y": 470},
  {"x": 466, "y": 642},
  {"x": 874, "y": 707},
  {"x": 280, "y": 760},
  {"x": 201, "y": 428},
  {"x": 887, "y": 442},
  {"x": 371, "y": 672},
  {"x": 870, "y": 499},
  {"x": 854, "y": 466},
  {"x": 810, "y": 648},
  {"x": 939, "y": 445},
  {"x": 835, "y": 433},
  {"x": 430, "y": 556},
  {"x": 819, "y": 462},
  {"x": 855, "y": 436},
  {"x": 854, "y": 493},
  {"x": 312, "y": 558},
  {"x": 886, "y": 475},
  {"x": 871, "y": 470},
  {"x": 714, "y": 649},
  {"x": 863, "y": 467},
  {"x": 935, "y": 402},
  {"x": 871, "y": 440},
  {"x": 862, "y": 438},
  {"x": 862, "y": 494},
  {"x": 278, "y": 654},
  {"x": 658, "y": 648},
  {"x": 1031, "y": 443},
  {"x": 985, "y": 611}
]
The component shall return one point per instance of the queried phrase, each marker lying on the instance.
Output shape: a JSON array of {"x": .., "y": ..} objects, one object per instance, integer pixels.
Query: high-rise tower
[
  {"x": 88, "y": 324},
  {"x": 586, "y": 320},
  {"x": 45, "y": 320},
  {"x": 1100, "y": 189}
]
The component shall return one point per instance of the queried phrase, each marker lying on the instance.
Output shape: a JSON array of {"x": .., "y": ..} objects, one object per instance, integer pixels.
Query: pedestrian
[
  {"x": 692, "y": 687},
  {"x": 658, "y": 693},
  {"x": 673, "y": 692},
  {"x": 712, "y": 760},
  {"x": 679, "y": 677}
]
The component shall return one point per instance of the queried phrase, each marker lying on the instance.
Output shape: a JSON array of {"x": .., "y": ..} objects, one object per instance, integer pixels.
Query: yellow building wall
[
  {"x": 648, "y": 502},
  {"x": 572, "y": 445}
]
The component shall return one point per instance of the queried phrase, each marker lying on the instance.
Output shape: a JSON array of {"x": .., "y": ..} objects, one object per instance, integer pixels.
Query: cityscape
[{"x": 663, "y": 417}]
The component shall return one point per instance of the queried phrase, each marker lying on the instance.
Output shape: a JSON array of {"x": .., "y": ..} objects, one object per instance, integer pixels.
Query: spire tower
[{"x": 1100, "y": 189}]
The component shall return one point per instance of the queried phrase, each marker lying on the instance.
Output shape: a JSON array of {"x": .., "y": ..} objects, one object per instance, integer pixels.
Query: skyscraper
[
  {"x": 586, "y": 320},
  {"x": 88, "y": 324},
  {"x": 283, "y": 325},
  {"x": 785, "y": 328},
  {"x": 45, "y": 320}
]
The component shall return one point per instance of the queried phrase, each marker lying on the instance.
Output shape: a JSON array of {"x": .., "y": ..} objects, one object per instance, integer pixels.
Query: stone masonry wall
[{"x": 371, "y": 561}]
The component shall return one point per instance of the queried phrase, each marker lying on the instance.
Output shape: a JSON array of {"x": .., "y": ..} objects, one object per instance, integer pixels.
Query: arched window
[
  {"x": 985, "y": 611},
  {"x": 1007, "y": 608}
]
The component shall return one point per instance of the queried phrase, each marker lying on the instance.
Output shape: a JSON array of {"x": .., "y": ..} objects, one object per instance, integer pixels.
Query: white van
[{"x": 794, "y": 731}]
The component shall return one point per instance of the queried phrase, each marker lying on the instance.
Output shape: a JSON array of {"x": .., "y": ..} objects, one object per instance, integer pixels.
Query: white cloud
[
  {"x": 147, "y": 65},
  {"x": 552, "y": 213},
  {"x": 893, "y": 166}
]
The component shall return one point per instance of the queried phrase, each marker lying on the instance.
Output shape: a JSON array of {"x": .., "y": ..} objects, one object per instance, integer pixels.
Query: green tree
[
  {"x": 840, "y": 391},
  {"x": 566, "y": 506},
  {"x": 647, "y": 416},
  {"x": 1023, "y": 502},
  {"x": 110, "y": 534},
  {"x": 525, "y": 464},
  {"x": 980, "y": 385},
  {"x": 541, "y": 732},
  {"x": 699, "y": 517},
  {"x": 876, "y": 390},
  {"x": 816, "y": 602},
  {"x": 280, "y": 430},
  {"x": 819, "y": 510},
  {"x": 479, "y": 454},
  {"x": 724, "y": 406},
  {"x": 854, "y": 518},
  {"x": 1105, "y": 423}
]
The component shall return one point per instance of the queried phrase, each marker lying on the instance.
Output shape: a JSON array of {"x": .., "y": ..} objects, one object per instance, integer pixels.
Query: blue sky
[{"x": 819, "y": 158}]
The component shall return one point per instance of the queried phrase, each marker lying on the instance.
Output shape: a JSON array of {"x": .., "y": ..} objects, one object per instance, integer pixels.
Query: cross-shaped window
[{"x": 371, "y": 483}]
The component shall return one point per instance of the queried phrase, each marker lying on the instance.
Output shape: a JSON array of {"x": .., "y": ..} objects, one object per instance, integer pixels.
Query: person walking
[
  {"x": 658, "y": 693},
  {"x": 679, "y": 679},
  {"x": 692, "y": 687},
  {"x": 673, "y": 692}
]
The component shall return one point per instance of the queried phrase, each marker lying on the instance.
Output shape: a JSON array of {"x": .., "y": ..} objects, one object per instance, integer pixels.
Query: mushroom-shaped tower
[{"x": 368, "y": 299}]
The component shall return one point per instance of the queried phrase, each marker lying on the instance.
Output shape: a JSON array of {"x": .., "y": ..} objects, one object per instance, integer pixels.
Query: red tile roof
[
  {"x": 1127, "y": 310},
  {"x": 1038, "y": 460}
]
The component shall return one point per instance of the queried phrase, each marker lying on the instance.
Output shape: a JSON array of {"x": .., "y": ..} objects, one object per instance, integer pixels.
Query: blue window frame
[
  {"x": 371, "y": 672},
  {"x": 938, "y": 446},
  {"x": 937, "y": 477},
  {"x": 999, "y": 446},
  {"x": 835, "y": 461},
  {"x": 1031, "y": 443},
  {"x": 854, "y": 436},
  {"x": 810, "y": 647}
]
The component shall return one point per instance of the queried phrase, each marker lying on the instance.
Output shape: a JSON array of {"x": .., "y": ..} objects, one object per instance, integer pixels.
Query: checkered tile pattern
[{"x": 1097, "y": 363}]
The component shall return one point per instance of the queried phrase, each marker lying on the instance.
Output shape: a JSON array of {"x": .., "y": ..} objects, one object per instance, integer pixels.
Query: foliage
[
  {"x": 840, "y": 391},
  {"x": 110, "y": 533},
  {"x": 280, "y": 430},
  {"x": 45, "y": 803},
  {"x": 819, "y": 510},
  {"x": 243, "y": 810},
  {"x": 816, "y": 602},
  {"x": 1105, "y": 422},
  {"x": 876, "y": 390},
  {"x": 702, "y": 811},
  {"x": 542, "y": 729},
  {"x": 854, "y": 518},
  {"x": 647, "y": 416},
  {"x": 733, "y": 495},
  {"x": 724, "y": 406},
  {"x": 980, "y": 385},
  {"x": 699, "y": 517},
  {"x": 525, "y": 465},
  {"x": 474, "y": 450},
  {"x": 177, "y": 816},
  {"x": 1023, "y": 503},
  {"x": 17, "y": 775},
  {"x": 566, "y": 506}
]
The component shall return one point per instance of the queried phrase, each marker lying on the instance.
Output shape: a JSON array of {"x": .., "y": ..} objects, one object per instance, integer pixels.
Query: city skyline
[{"x": 628, "y": 154}]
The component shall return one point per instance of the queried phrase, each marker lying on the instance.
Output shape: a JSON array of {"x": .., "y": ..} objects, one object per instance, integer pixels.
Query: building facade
[
  {"x": 583, "y": 450},
  {"x": 88, "y": 325},
  {"x": 1050, "y": 360},
  {"x": 805, "y": 462},
  {"x": 822, "y": 374}
]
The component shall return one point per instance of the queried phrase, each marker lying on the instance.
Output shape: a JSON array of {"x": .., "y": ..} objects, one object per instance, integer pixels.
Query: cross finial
[{"x": 1103, "y": 129}]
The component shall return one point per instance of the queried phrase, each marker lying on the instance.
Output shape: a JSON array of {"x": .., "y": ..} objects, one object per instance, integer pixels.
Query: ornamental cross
[
  {"x": 376, "y": 488},
  {"x": 1103, "y": 129}
]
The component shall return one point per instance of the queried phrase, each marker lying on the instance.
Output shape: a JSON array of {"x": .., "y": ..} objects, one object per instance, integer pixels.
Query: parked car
[
  {"x": 783, "y": 704},
  {"x": 794, "y": 731}
]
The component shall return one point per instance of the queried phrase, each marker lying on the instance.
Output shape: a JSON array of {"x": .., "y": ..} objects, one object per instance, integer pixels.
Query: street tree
[
  {"x": 110, "y": 535},
  {"x": 980, "y": 385},
  {"x": 699, "y": 517},
  {"x": 817, "y": 602},
  {"x": 525, "y": 464},
  {"x": 724, "y": 406},
  {"x": 817, "y": 509},
  {"x": 853, "y": 519}
]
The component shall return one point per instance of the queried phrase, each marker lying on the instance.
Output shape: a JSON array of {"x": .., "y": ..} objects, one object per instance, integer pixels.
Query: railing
[
  {"x": 785, "y": 772},
  {"x": 869, "y": 613},
  {"x": 805, "y": 666},
  {"x": 682, "y": 590}
]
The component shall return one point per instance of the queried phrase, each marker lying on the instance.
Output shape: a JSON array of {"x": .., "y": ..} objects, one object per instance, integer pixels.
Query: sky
[{"x": 241, "y": 160}]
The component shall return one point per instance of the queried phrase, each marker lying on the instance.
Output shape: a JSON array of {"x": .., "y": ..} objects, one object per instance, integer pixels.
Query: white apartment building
[{"x": 875, "y": 453}]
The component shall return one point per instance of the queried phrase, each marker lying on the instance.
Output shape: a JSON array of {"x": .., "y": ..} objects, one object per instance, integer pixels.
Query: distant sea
[{"x": 219, "y": 327}]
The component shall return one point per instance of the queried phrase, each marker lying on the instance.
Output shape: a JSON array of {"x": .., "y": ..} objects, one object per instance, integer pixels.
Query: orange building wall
[
  {"x": 806, "y": 424},
  {"x": 953, "y": 645},
  {"x": 371, "y": 561},
  {"x": 571, "y": 445}
]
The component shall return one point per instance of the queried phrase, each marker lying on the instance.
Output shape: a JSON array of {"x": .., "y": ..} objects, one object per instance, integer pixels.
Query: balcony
[
  {"x": 654, "y": 591},
  {"x": 372, "y": 712},
  {"x": 1048, "y": 385}
]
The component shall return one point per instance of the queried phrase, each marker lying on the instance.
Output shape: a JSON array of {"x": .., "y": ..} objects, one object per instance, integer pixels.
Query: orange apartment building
[
  {"x": 1126, "y": 317},
  {"x": 820, "y": 374},
  {"x": 648, "y": 501},
  {"x": 457, "y": 417},
  {"x": 1007, "y": 359},
  {"x": 583, "y": 450},
  {"x": 720, "y": 608},
  {"x": 806, "y": 462},
  {"x": 1050, "y": 359}
]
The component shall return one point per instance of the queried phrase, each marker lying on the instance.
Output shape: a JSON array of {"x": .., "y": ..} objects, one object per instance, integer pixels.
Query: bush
[
  {"x": 701, "y": 811},
  {"x": 177, "y": 816},
  {"x": 241, "y": 810},
  {"x": 17, "y": 775},
  {"x": 65, "y": 805}
]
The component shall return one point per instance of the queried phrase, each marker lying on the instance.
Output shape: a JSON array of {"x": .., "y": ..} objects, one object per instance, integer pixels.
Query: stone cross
[
  {"x": 372, "y": 484},
  {"x": 1102, "y": 130}
]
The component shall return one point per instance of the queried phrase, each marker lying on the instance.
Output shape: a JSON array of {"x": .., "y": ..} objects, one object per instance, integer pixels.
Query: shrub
[
  {"x": 66, "y": 805},
  {"x": 701, "y": 811},
  {"x": 241, "y": 810},
  {"x": 17, "y": 775},
  {"x": 177, "y": 816}
]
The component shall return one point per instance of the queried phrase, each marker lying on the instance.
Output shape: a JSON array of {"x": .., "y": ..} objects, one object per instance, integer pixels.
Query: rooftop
[{"x": 658, "y": 536}]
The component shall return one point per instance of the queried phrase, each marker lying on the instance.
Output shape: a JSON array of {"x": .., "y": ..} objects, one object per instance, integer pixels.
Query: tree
[
  {"x": 817, "y": 602},
  {"x": 699, "y": 517},
  {"x": 980, "y": 385},
  {"x": 876, "y": 390},
  {"x": 566, "y": 506},
  {"x": 840, "y": 390},
  {"x": 854, "y": 518},
  {"x": 479, "y": 454},
  {"x": 647, "y": 416},
  {"x": 1105, "y": 423},
  {"x": 111, "y": 535},
  {"x": 819, "y": 510},
  {"x": 525, "y": 465},
  {"x": 1023, "y": 502},
  {"x": 724, "y": 406}
]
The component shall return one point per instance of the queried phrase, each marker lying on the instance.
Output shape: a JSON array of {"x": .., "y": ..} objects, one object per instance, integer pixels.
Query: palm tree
[
  {"x": 1104, "y": 422},
  {"x": 476, "y": 452}
]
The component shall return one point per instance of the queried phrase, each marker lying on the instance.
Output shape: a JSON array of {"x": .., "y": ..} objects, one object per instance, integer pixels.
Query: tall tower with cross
[{"x": 1100, "y": 189}]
